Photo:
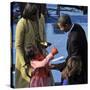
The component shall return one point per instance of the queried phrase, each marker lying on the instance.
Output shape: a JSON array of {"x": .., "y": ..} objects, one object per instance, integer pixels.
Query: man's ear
[{"x": 66, "y": 25}]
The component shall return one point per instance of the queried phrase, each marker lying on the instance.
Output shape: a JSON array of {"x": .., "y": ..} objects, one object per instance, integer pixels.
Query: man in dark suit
[{"x": 76, "y": 46}]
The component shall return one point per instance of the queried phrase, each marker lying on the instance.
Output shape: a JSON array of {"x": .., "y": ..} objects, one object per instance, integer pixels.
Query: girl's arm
[{"x": 37, "y": 64}]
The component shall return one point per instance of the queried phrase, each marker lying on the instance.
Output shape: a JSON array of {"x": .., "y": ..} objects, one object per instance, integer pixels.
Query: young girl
[
  {"x": 41, "y": 75},
  {"x": 71, "y": 71}
]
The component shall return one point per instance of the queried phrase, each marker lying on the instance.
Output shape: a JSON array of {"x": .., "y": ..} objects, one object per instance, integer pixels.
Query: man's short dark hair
[{"x": 65, "y": 19}]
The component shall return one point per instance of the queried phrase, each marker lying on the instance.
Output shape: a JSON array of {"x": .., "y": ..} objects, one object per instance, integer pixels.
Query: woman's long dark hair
[{"x": 29, "y": 10}]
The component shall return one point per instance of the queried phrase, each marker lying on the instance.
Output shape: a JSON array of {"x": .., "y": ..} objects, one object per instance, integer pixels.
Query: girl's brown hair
[{"x": 73, "y": 67}]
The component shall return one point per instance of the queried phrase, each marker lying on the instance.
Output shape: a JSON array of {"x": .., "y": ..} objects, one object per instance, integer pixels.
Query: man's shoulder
[{"x": 76, "y": 29}]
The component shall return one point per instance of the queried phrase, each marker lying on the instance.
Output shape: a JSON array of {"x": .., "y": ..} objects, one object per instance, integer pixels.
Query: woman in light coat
[{"x": 26, "y": 34}]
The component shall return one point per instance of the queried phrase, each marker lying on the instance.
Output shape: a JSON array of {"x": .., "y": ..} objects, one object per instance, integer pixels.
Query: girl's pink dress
[{"x": 41, "y": 76}]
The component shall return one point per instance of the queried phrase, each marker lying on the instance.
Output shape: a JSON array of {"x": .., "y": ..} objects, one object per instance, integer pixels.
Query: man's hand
[
  {"x": 51, "y": 66},
  {"x": 60, "y": 66}
]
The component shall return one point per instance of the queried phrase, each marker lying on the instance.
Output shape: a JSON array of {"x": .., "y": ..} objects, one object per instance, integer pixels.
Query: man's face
[{"x": 63, "y": 27}]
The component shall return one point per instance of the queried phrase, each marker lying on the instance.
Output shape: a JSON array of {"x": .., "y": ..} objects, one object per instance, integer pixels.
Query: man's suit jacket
[{"x": 77, "y": 46}]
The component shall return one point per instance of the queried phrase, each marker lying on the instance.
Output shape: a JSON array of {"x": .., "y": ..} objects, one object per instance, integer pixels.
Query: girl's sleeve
[{"x": 38, "y": 64}]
